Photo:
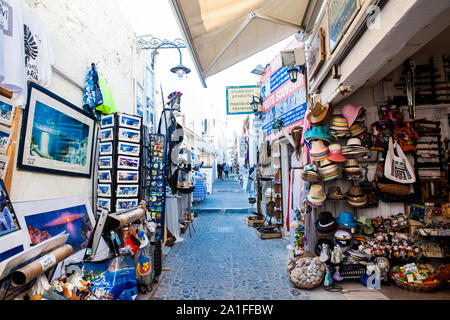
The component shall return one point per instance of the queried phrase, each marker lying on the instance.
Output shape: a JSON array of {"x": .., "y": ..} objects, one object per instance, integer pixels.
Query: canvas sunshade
[{"x": 220, "y": 33}]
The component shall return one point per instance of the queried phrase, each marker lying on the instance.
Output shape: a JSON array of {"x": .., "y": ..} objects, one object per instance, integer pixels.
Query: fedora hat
[
  {"x": 318, "y": 114},
  {"x": 316, "y": 195},
  {"x": 351, "y": 166},
  {"x": 356, "y": 197},
  {"x": 335, "y": 193},
  {"x": 326, "y": 223},
  {"x": 335, "y": 153},
  {"x": 346, "y": 220},
  {"x": 351, "y": 113},
  {"x": 356, "y": 129}
]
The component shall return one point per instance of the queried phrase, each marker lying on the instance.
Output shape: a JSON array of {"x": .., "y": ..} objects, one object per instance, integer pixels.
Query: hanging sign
[
  {"x": 282, "y": 99},
  {"x": 240, "y": 97}
]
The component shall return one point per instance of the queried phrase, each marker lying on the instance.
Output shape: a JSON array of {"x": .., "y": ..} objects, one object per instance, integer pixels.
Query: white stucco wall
[{"x": 81, "y": 32}]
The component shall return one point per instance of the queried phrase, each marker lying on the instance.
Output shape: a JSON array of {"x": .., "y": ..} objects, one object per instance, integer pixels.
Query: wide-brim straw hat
[
  {"x": 318, "y": 150},
  {"x": 356, "y": 197},
  {"x": 356, "y": 129}
]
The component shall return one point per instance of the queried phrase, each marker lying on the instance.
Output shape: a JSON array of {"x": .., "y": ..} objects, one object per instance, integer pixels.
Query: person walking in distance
[
  {"x": 225, "y": 170},
  {"x": 219, "y": 171}
]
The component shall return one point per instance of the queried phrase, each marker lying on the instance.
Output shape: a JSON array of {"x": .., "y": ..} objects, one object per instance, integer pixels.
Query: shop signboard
[
  {"x": 239, "y": 99},
  {"x": 208, "y": 173},
  {"x": 282, "y": 99}
]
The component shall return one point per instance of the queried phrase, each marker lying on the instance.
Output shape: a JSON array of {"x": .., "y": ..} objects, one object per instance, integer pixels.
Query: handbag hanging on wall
[{"x": 397, "y": 167}]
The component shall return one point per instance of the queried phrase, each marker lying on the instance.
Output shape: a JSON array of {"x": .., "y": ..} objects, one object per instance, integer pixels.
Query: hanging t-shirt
[
  {"x": 12, "y": 54},
  {"x": 39, "y": 56}
]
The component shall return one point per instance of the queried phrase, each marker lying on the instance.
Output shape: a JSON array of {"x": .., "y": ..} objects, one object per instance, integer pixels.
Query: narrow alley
[{"x": 225, "y": 260}]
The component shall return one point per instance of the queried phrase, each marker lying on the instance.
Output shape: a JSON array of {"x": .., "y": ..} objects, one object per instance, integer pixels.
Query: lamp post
[
  {"x": 155, "y": 44},
  {"x": 256, "y": 102}
]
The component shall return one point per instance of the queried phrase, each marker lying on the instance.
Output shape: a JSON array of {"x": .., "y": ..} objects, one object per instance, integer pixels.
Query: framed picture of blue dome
[{"x": 57, "y": 137}]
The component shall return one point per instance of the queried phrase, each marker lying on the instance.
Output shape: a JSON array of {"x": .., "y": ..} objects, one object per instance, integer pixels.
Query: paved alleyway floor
[{"x": 225, "y": 260}]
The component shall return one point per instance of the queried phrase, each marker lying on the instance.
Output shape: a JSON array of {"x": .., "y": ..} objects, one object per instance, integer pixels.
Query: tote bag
[{"x": 397, "y": 167}]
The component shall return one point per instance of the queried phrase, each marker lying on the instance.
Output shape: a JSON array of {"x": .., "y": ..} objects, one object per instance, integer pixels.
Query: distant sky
[{"x": 156, "y": 17}]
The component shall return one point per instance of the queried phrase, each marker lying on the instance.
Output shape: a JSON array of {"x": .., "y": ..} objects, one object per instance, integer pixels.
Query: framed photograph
[
  {"x": 127, "y": 190},
  {"x": 124, "y": 204},
  {"x": 103, "y": 203},
  {"x": 107, "y": 121},
  {"x": 127, "y": 176},
  {"x": 105, "y": 162},
  {"x": 107, "y": 134},
  {"x": 128, "y": 121},
  {"x": 316, "y": 56},
  {"x": 8, "y": 220},
  {"x": 104, "y": 190},
  {"x": 5, "y": 138},
  {"x": 57, "y": 137},
  {"x": 45, "y": 219},
  {"x": 129, "y": 149},
  {"x": 104, "y": 176},
  {"x": 129, "y": 135},
  {"x": 106, "y": 148},
  {"x": 6, "y": 111},
  {"x": 4, "y": 162},
  {"x": 340, "y": 15},
  {"x": 125, "y": 162}
]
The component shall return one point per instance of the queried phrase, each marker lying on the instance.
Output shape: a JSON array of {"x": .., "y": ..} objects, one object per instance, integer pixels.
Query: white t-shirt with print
[
  {"x": 39, "y": 56},
  {"x": 12, "y": 54}
]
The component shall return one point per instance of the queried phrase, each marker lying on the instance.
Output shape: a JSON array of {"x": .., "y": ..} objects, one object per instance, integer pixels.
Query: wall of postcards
[
  {"x": 119, "y": 162},
  {"x": 154, "y": 172}
]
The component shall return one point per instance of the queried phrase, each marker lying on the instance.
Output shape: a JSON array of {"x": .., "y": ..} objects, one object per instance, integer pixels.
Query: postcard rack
[
  {"x": 154, "y": 179},
  {"x": 120, "y": 161}
]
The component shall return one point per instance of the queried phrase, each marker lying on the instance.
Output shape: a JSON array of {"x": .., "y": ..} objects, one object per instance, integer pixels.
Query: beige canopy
[{"x": 220, "y": 33}]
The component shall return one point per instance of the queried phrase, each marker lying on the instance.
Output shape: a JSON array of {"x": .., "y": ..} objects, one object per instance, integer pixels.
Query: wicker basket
[
  {"x": 296, "y": 283},
  {"x": 415, "y": 287}
]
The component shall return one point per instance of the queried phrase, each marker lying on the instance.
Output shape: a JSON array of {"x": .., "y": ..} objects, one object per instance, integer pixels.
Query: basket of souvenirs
[
  {"x": 306, "y": 272},
  {"x": 418, "y": 278}
]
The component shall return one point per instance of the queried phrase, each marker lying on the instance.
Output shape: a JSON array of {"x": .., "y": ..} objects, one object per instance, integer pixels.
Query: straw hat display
[
  {"x": 339, "y": 127},
  {"x": 357, "y": 129},
  {"x": 328, "y": 170},
  {"x": 335, "y": 153},
  {"x": 316, "y": 196},
  {"x": 356, "y": 197},
  {"x": 310, "y": 173},
  {"x": 352, "y": 167},
  {"x": 318, "y": 150},
  {"x": 354, "y": 148}
]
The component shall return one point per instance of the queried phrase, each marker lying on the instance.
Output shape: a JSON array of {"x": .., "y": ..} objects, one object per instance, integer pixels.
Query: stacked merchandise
[
  {"x": 154, "y": 173},
  {"x": 119, "y": 162}
]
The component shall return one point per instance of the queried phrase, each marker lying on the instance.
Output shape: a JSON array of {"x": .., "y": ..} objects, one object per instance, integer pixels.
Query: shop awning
[{"x": 220, "y": 33}]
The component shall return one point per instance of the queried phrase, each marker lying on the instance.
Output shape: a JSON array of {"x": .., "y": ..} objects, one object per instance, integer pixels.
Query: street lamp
[
  {"x": 154, "y": 43},
  {"x": 294, "y": 71},
  {"x": 256, "y": 102}
]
